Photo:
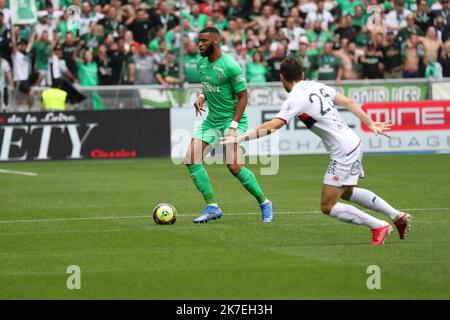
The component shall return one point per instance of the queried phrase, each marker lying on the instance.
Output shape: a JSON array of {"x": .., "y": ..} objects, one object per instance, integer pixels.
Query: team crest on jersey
[{"x": 219, "y": 76}]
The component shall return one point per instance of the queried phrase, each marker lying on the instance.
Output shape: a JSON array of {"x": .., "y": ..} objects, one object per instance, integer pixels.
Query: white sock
[
  {"x": 265, "y": 201},
  {"x": 371, "y": 201},
  {"x": 350, "y": 214},
  {"x": 213, "y": 204}
]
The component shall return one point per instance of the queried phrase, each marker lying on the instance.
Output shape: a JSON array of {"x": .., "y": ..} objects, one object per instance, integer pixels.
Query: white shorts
[{"x": 346, "y": 171}]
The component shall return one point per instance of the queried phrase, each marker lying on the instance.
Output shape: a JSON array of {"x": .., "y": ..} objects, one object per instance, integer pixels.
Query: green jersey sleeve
[{"x": 236, "y": 77}]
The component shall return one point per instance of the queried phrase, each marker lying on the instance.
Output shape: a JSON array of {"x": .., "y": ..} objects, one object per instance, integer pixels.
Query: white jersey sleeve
[{"x": 290, "y": 109}]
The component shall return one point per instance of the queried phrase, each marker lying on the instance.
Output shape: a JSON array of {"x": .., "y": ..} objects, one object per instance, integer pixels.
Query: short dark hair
[
  {"x": 291, "y": 68},
  {"x": 210, "y": 30}
]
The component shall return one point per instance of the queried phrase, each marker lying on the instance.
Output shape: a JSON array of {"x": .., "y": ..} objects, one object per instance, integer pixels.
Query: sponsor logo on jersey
[
  {"x": 239, "y": 78},
  {"x": 218, "y": 69},
  {"x": 210, "y": 88}
]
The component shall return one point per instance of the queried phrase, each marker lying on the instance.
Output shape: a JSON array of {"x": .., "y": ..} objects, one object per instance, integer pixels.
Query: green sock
[
  {"x": 201, "y": 181},
  {"x": 248, "y": 180}
]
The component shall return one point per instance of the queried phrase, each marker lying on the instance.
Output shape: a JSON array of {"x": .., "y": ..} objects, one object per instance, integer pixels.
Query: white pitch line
[
  {"x": 188, "y": 215},
  {"x": 23, "y": 173}
]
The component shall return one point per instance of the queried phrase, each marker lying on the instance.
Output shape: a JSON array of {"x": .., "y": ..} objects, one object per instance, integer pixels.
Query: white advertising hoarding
[{"x": 422, "y": 126}]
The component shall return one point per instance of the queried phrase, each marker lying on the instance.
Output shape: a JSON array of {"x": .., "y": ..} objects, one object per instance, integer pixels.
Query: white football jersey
[{"x": 312, "y": 103}]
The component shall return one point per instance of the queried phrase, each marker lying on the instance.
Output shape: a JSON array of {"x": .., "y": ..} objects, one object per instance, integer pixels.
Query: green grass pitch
[{"x": 97, "y": 215}]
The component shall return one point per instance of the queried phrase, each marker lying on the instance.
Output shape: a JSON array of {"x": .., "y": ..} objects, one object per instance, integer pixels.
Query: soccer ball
[{"x": 164, "y": 213}]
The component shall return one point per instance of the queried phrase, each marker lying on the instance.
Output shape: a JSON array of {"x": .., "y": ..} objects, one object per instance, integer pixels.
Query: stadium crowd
[{"x": 121, "y": 42}]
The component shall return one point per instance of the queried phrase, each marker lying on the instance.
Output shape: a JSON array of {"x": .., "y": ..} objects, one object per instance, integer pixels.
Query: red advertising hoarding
[{"x": 411, "y": 116}]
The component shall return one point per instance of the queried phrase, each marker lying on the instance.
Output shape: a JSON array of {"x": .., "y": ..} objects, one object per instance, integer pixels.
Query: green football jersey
[{"x": 221, "y": 80}]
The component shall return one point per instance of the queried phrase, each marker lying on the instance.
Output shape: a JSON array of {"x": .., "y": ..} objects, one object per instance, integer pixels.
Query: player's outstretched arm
[
  {"x": 353, "y": 107},
  {"x": 263, "y": 130}
]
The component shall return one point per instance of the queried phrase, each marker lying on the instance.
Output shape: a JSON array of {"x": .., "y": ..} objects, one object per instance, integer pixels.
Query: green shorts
[{"x": 211, "y": 134}]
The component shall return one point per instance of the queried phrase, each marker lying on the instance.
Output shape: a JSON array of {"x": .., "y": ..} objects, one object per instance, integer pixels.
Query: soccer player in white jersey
[{"x": 314, "y": 104}]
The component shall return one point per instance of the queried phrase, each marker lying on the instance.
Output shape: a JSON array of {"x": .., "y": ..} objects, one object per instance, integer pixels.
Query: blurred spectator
[
  {"x": 22, "y": 65},
  {"x": 372, "y": 62},
  {"x": 268, "y": 19},
  {"x": 165, "y": 16},
  {"x": 410, "y": 27},
  {"x": 54, "y": 99},
  {"x": 87, "y": 70},
  {"x": 129, "y": 44},
  {"x": 44, "y": 25},
  {"x": 413, "y": 54},
  {"x": 431, "y": 45},
  {"x": 309, "y": 59},
  {"x": 5, "y": 77},
  {"x": 190, "y": 63},
  {"x": 197, "y": 20},
  {"x": 360, "y": 17},
  {"x": 392, "y": 57},
  {"x": 320, "y": 14},
  {"x": 349, "y": 55},
  {"x": 396, "y": 19},
  {"x": 111, "y": 22},
  {"x": 219, "y": 21},
  {"x": 58, "y": 68},
  {"x": 94, "y": 37},
  {"x": 70, "y": 47},
  {"x": 233, "y": 33},
  {"x": 423, "y": 16},
  {"x": 168, "y": 72},
  {"x": 292, "y": 33},
  {"x": 41, "y": 52},
  {"x": 141, "y": 27},
  {"x": 330, "y": 66},
  {"x": 348, "y": 6},
  {"x": 257, "y": 70},
  {"x": 146, "y": 66},
  {"x": 274, "y": 62},
  {"x": 87, "y": 17},
  {"x": 444, "y": 59},
  {"x": 440, "y": 28},
  {"x": 88, "y": 76},
  {"x": 104, "y": 66},
  {"x": 121, "y": 64},
  {"x": 239, "y": 52},
  {"x": 5, "y": 40},
  {"x": 444, "y": 11},
  {"x": 346, "y": 29},
  {"x": 6, "y": 13},
  {"x": 295, "y": 14},
  {"x": 235, "y": 9},
  {"x": 318, "y": 35}
]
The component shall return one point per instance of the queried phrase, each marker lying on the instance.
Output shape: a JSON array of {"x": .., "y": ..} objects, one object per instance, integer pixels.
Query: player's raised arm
[
  {"x": 263, "y": 130},
  {"x": 350, "y": 104}
]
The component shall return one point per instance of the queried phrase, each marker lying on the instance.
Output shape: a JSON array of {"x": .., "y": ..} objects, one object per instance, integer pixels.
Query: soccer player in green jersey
[{"x": 225, "y": 89}]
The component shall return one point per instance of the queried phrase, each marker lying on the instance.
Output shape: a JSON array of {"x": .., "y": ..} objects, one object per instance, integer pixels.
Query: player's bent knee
[
  {"x": 326, "y": 207},
  {"x": 347, "y": 194},
  {"x": 234, "y": 168}
]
